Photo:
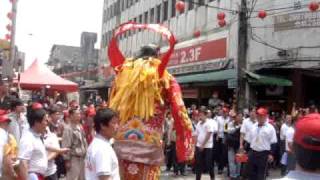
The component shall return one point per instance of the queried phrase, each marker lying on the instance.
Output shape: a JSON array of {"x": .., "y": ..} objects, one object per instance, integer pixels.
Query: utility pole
[
  {"x": 242, "y": 55},
  {"x": 13, "y": 37}
]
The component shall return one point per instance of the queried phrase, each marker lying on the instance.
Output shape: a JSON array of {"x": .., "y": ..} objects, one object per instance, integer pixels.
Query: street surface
[{"x": 274, "y": 174}]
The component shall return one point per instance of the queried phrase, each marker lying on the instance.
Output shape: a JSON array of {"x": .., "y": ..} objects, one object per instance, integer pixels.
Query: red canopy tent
[{"x": 38, "y": 76}]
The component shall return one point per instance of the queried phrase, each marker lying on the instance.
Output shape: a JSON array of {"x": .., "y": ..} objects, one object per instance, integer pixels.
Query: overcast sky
[{"x": 42, "y": 23}]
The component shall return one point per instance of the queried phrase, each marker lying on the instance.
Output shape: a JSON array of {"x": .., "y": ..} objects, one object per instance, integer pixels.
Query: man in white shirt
[
  {"x": 221, "y": 148},
  {"x": 283, "y": 129},
  {"x": 262, "y": 141},
  {"x": 291, "y": 163},
  {"x": 247, "y": 125},
  {"x": 101, "y": 162},
  {"x": 32, "y": 151},
  {"x": 19, "y": 123},
  {"x": 306, "y": 147},
  {"x": 214, "y": 124},
  {"x": 204, "y": 144}
]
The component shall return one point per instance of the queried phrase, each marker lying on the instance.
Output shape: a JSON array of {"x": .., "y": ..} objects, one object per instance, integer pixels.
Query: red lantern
[
  {"x": 8, "y": 36},
  {"x": 9, "y": 27},
  {"x": 197, "y": 34},
  {"x": 221, "y": 15},
  {"x": 313, "y": 6},
  {"x": 12, "y": 1},
  {"x": 10, "y": 15},
  {"x": 222, "y": 23},
  {"x": 180, "y": 6},
  {"x": 262, "y": 14}
]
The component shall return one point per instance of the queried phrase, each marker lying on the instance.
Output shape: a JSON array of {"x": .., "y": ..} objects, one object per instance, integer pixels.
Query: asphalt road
[{"x": 274, "y": 174}]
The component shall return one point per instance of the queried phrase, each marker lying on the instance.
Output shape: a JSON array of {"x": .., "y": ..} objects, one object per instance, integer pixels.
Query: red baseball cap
[
  {"x": 3, "y": 116},
  {"x": 262, "y": 111},
  {"x": 307, "y": 133},
  {"x": 36, "y": 106},
  {"x": 90, "y": 112},
  {"x": 225, "y": 109}
]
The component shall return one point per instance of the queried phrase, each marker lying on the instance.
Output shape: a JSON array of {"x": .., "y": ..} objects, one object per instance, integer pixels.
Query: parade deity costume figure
[{"x": 142, "y": 92}]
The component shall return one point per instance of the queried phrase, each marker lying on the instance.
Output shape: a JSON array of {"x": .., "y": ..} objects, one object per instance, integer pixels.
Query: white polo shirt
[
  {"x": 283, "y": 130},
  {"x": 289, "y": 136},
  {"x": 201, "y": 131},
  {"x": 262, "y": 137},
  {"x": 51, "y": 140},
  {"x": 221, "y": 125},
  {"x": 32, "y": 148},
  {"x": 246, "y": 126},
  {"x": 101, "y": 160},
  {"x": 3, "y": 142}
]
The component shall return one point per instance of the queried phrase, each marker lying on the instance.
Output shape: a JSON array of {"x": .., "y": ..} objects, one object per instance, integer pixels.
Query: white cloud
[{"x": 52, "y": 22}]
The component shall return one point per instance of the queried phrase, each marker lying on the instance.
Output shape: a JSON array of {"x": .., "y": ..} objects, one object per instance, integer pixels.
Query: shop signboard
[
  {"x": 232, "y": 83},
  {"x": 210, "y": 55},
  {"x": 296, "y": 20},
  {"x": 190, "y": 93}
]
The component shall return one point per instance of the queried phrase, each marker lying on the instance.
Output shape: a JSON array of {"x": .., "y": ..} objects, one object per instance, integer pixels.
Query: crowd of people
[
  {"x": 45, "y": 139},
  {"x": 245, "y": 144},
  {"x": 54, "y": 140}
]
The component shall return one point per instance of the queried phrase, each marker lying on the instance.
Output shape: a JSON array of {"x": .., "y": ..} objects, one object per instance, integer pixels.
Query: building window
[
  {"x": 201, "y": 2},
  {"x": 118, "y": 8},
  {"x": 152, "y": 15},
  {"x": 140, "y": 18},
  {"x": 173, "y": 8},
  {"x": 165, "y": 11},
  {"x": 146, "y": 17},
  {"x": 112, "y": 10},
  {"x": 122, "y": 5},
  {"x": 158, "y": 13},
  {"x": 190, "y": 5}
]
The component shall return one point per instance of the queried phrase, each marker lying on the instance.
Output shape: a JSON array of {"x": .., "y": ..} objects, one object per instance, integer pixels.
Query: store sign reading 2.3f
[
  {"x": 189, "y": 56},
  {"x": 201, "y": 57}
]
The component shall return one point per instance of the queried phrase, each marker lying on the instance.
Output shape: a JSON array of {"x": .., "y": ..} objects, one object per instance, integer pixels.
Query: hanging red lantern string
[
  {"x": 180, "y": 6},
  {"x": 9, "y": 27},
  {"x": 313, "y": 6},
  {"x": 262, "y": 14},
  {"x": 197, "y": 33},
  {"x": 10, "y": 15},
  {"x": 221, "y": 15},
  {"x": 8, "y": 36},
  {"x": 222, "y": 23}
]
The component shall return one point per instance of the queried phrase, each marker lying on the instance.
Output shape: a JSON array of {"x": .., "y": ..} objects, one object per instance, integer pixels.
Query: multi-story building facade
[
  {"x": 286, "y": 44},
  {"x": 204, "y": 56},
  {"x": 76, "y": 63},
  {"x": 282, "y": 56}
]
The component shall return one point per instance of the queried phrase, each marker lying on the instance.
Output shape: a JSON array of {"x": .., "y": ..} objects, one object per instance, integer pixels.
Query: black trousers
[
  {"x": 204, "y": 159},
  {"x": 169, "y": 156},
  {"x": 257, "y": 165},
  {"x": 177, "y": 167},
  {"x": 244, "y": 166},
  {"x": 222, "y": 154},
  {"x": 52, "y": 177},
  {"x": 61, "y": 170}
]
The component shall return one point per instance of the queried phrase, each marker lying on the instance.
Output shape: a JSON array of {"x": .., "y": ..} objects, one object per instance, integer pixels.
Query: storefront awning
[
  {"x": 208, "y": 77},
  {"x": 258, "y": 79}
]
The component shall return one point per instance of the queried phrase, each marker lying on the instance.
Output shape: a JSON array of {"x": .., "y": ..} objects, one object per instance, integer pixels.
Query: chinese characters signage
[
  {"x": 296, "y": 21},
  {"x": 210, "y": 55}
]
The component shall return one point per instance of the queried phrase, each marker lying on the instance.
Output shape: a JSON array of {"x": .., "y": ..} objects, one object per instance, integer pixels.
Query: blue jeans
[{"x": 234, "y": 167}]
